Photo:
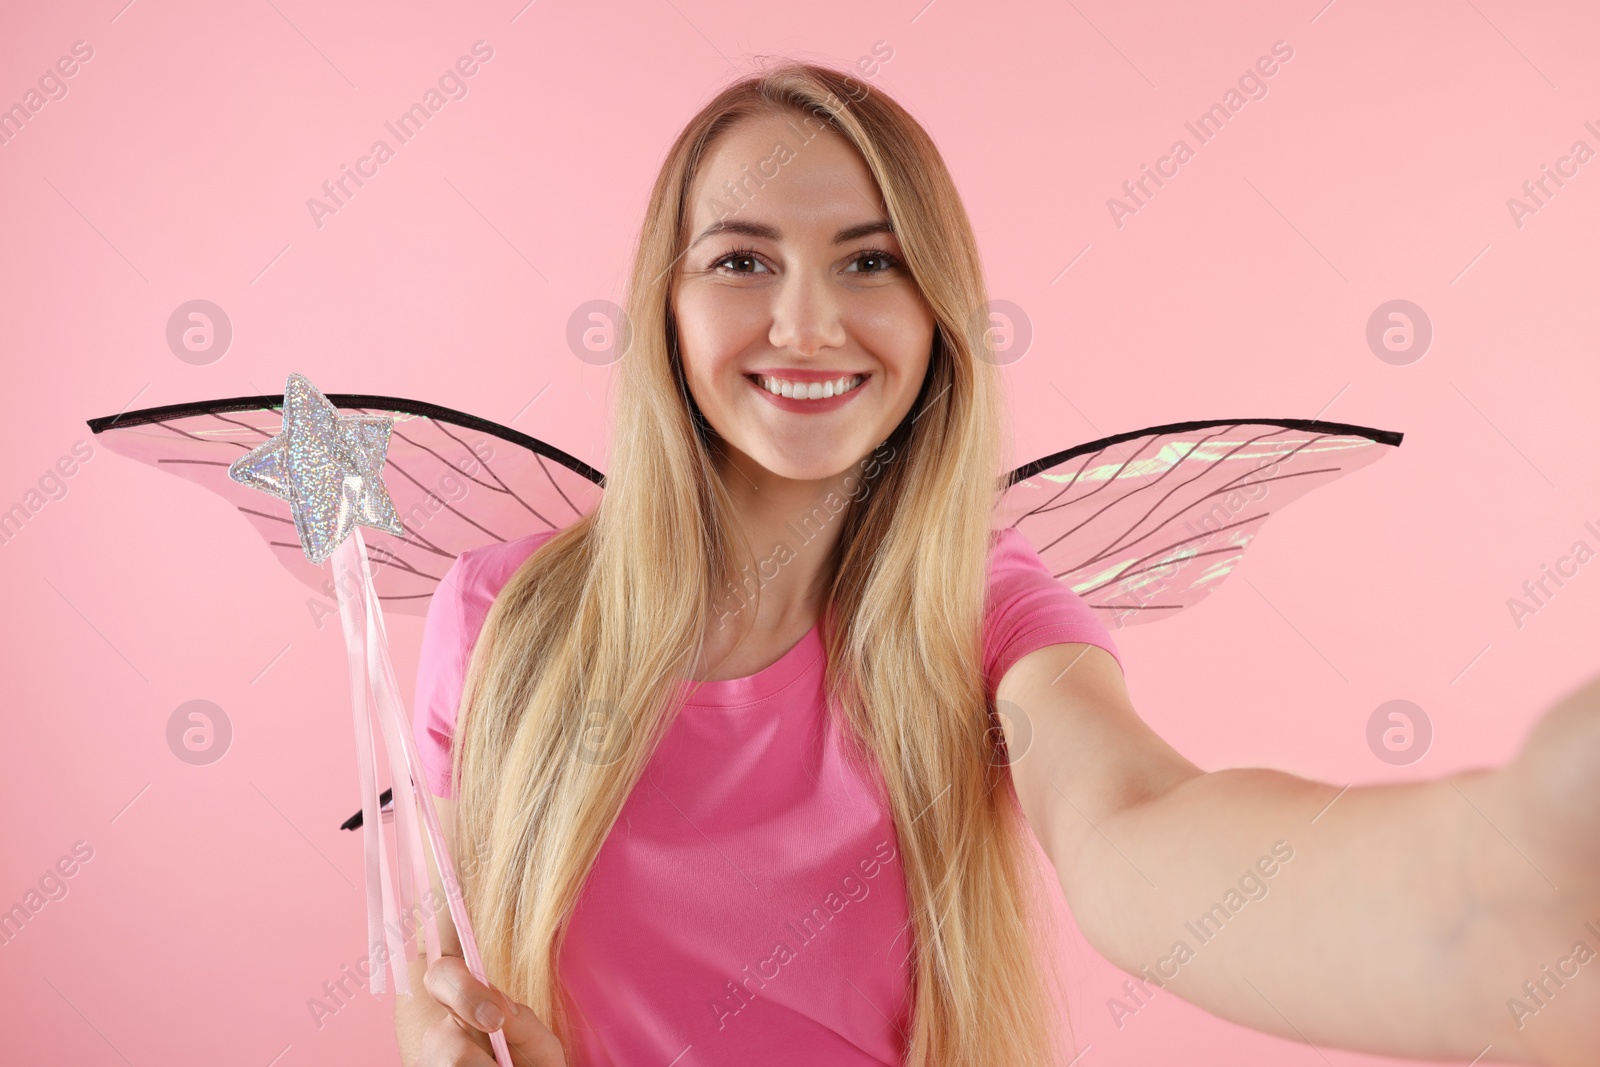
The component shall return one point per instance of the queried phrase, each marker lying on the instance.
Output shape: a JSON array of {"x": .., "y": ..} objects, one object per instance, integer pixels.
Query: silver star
[{"x": 327, "y": 466}]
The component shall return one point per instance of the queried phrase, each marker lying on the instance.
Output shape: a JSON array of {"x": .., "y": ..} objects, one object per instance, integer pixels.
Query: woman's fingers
[
  {"x": 476, "y": 1010},
  {"x": 451, "y": 984},
  {"x": 530, "y": 1042},
  {"x": 448, "y": 1043}
]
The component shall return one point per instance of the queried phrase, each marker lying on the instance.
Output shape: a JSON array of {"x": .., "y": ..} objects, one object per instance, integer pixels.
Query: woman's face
[{"x": 800, "y": 281}]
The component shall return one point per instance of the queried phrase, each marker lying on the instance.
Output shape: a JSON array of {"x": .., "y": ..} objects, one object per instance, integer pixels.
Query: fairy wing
[
  {"x": 1144, "y": 524},
  {"x": 456, "y": 481}
]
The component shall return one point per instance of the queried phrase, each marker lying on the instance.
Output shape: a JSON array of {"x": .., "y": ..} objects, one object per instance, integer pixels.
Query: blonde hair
[{"x": 598, "y": 630}]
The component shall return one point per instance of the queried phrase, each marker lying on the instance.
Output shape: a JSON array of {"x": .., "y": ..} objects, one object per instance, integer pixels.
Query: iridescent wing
[
  {"x": 457, "y": 481},
  {"x": 1144, "y": 524}
]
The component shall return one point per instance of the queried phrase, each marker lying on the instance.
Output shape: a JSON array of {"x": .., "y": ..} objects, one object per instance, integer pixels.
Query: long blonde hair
[{"x": 593, "y": 638}]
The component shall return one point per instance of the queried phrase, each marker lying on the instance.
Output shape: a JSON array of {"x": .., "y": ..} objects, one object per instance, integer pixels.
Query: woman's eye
[
  {"x": 883, "y": 260},
  {"x": 741, "y": 258}
]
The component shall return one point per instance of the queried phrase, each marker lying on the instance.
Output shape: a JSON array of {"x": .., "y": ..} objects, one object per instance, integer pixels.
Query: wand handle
[{"x": 353, "y": 582}]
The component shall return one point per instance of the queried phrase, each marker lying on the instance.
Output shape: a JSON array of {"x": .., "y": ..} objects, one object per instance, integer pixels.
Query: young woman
[{"x": 724, "y": 746}]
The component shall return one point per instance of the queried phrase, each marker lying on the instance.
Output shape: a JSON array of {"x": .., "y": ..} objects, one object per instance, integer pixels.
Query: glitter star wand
[{"x": 329, "y": 468}]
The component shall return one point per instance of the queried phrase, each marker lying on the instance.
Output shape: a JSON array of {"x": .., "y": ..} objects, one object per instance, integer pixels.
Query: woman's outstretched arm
[{"x": 1450, "y": 919}]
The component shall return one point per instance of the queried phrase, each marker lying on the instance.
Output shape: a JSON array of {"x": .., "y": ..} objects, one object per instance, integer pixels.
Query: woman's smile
[{"x": 808, "y": 392}]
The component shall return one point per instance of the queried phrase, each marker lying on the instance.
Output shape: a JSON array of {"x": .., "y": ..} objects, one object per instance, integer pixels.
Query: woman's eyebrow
[{"x": 770, "y": 233}]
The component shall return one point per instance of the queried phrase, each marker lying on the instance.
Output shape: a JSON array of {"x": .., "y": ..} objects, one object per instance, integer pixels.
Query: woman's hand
[
  {"x": 461, "y": 1037},
  {"x": 1549, "y": 810}
]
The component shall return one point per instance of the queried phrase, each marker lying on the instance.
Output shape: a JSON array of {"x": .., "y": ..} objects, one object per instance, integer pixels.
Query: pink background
[{"x": 219, "y": 898}]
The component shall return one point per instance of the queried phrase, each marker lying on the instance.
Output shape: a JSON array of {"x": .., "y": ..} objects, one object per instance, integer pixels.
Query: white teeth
[{"x": 809, "y": 390}]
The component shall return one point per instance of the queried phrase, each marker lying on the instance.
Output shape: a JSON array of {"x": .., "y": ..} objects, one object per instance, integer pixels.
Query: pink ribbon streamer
[{"x": 387, "y": 897}]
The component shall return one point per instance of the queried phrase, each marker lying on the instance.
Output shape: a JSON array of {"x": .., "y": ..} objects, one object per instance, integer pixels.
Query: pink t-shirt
[{"x": 749, "y": 904}]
